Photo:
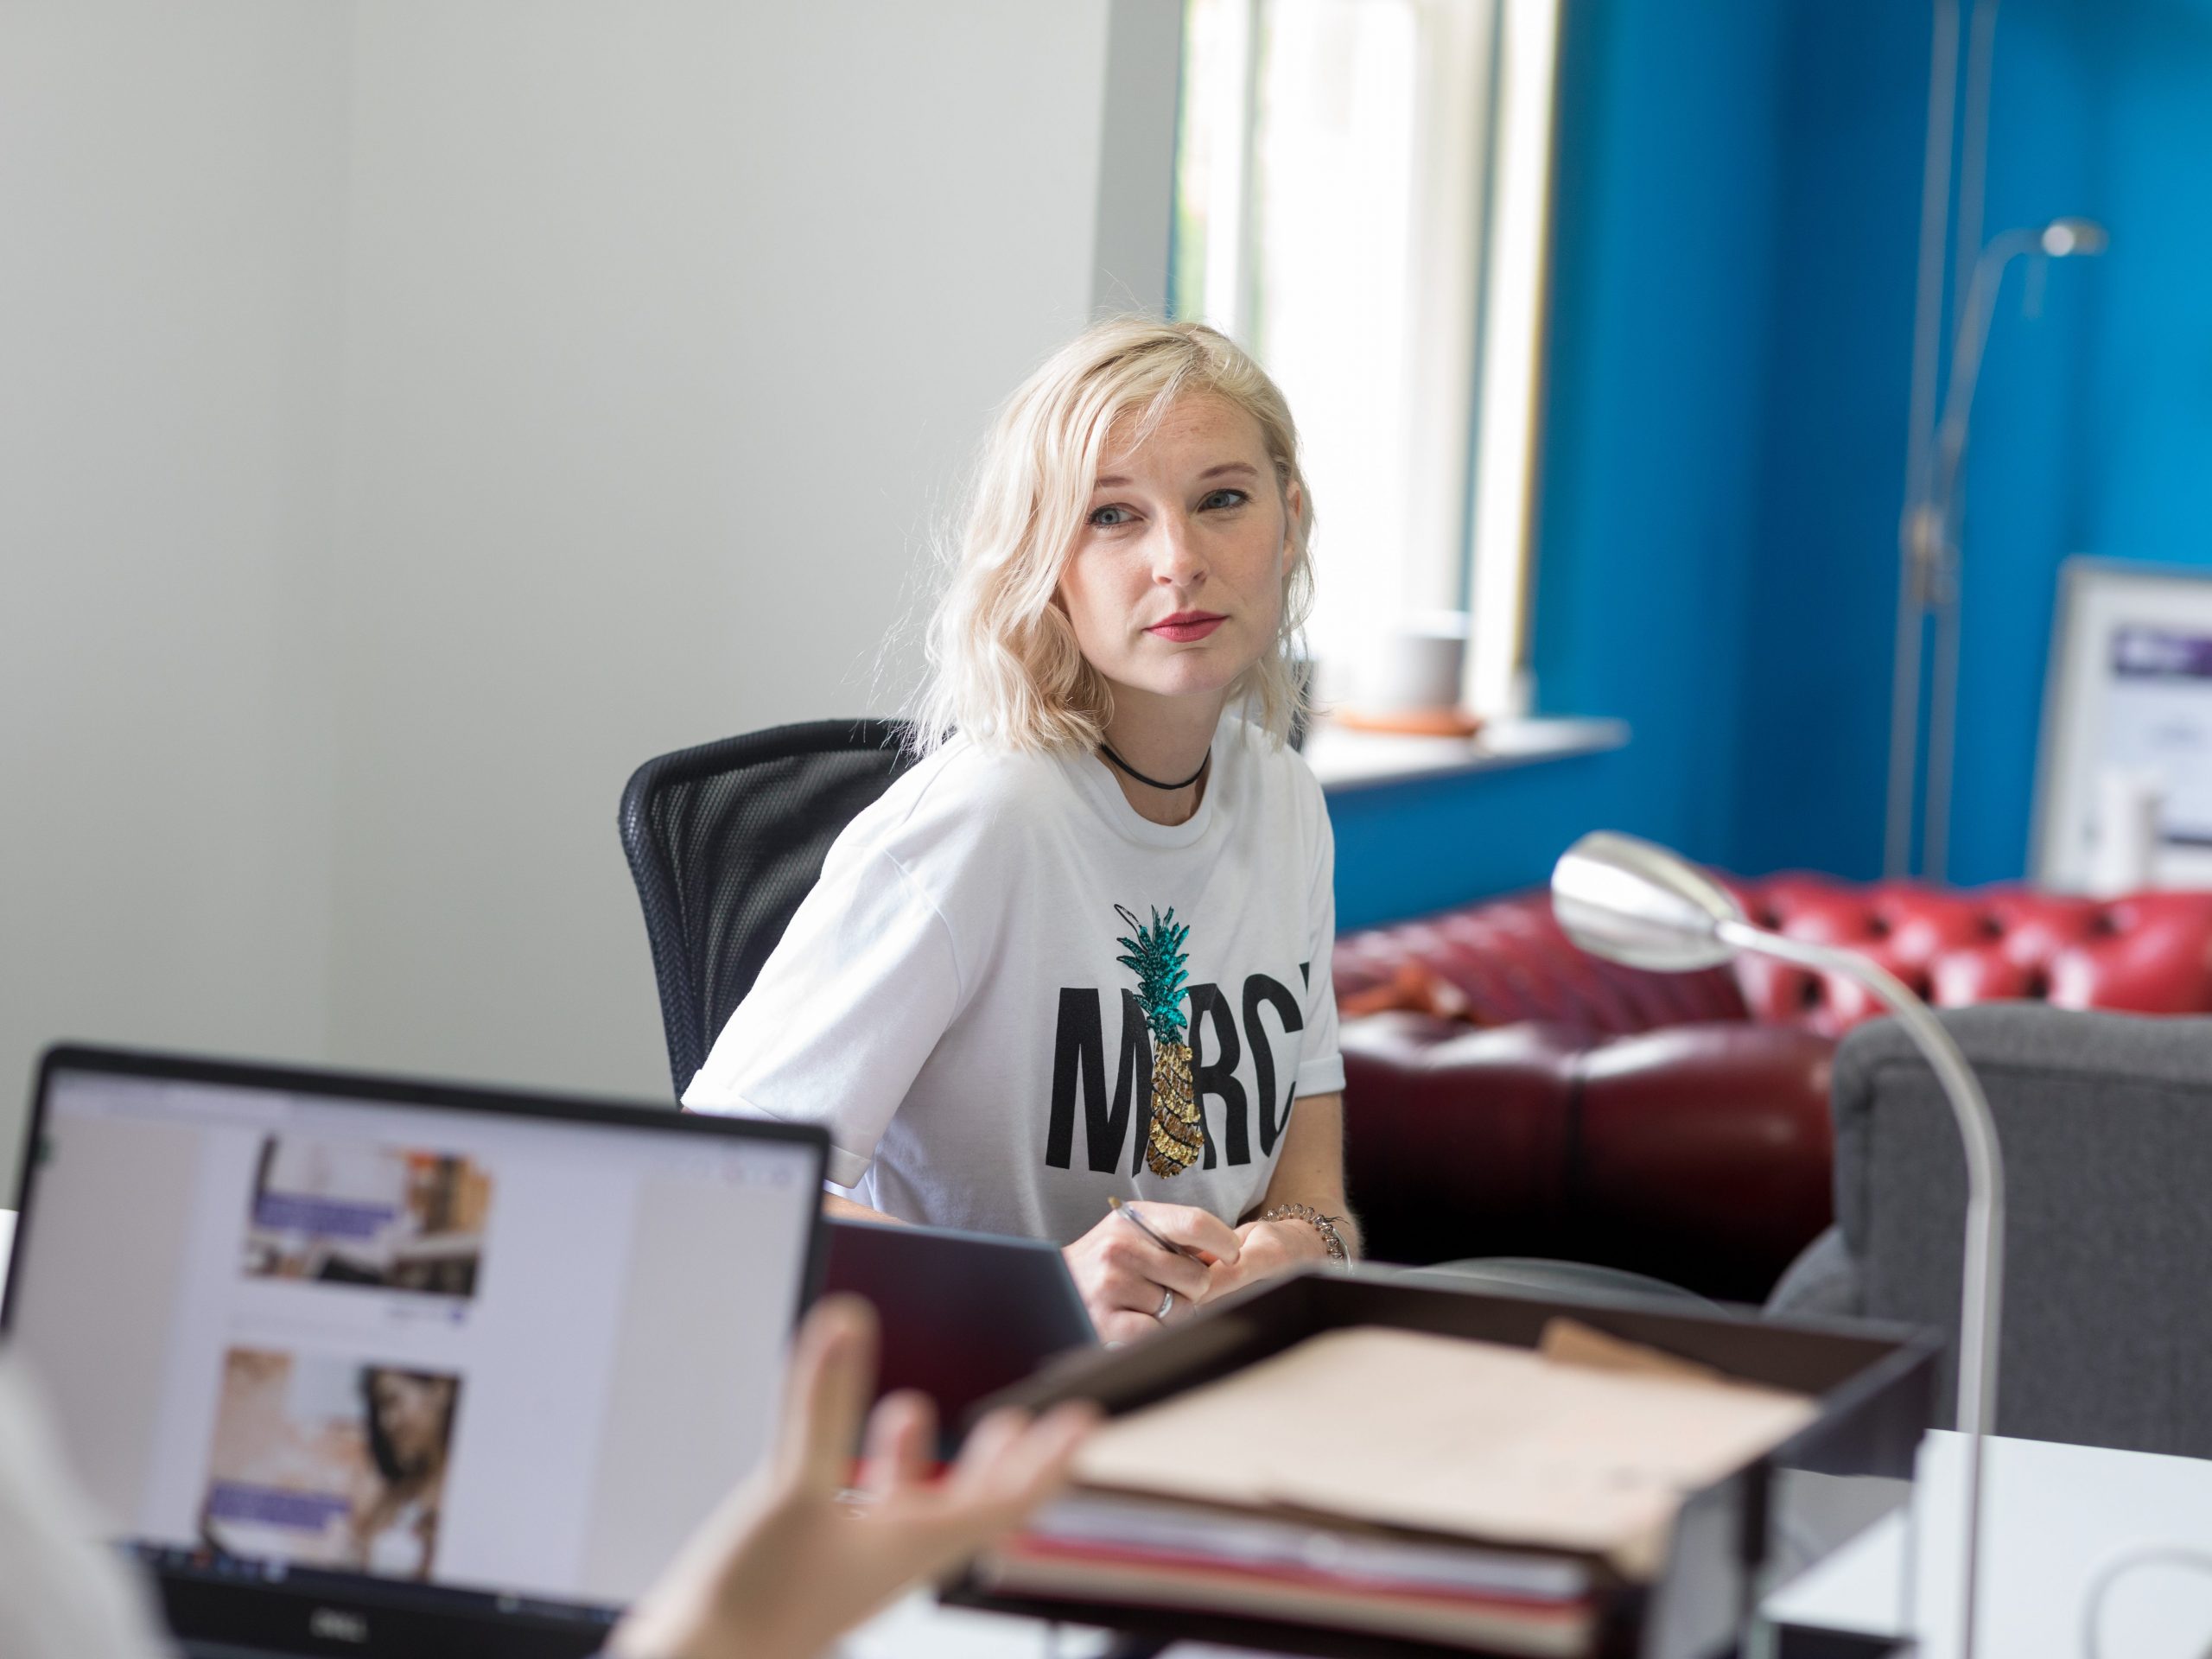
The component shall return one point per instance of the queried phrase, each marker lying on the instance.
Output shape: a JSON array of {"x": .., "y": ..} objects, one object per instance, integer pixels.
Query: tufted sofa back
[
  {"x": 1506, "y": 961},
  {"x": 2147, "y": 953}
]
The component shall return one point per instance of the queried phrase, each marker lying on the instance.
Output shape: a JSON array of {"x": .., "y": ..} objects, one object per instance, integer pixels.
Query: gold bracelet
[{"x": 1333, "y": 1240}]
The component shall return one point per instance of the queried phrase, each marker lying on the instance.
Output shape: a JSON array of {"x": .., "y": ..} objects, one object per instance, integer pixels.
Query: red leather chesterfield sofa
[{"x": 1510, "y": 1096}]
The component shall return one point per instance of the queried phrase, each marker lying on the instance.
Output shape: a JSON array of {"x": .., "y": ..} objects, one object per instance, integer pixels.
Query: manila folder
[{"x": 1405, "y": 1428}]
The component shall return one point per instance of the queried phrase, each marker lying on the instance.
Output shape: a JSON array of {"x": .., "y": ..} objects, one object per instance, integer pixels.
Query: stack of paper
[{"x": 1400, "y": 1483}]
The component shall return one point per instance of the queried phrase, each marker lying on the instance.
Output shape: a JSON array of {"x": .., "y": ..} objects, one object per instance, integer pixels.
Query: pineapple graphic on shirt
[{"x": 1155, "y": 955}]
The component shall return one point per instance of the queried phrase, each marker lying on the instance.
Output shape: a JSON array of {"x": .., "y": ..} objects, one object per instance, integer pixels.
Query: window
[{"x": 1361, "y": 196}]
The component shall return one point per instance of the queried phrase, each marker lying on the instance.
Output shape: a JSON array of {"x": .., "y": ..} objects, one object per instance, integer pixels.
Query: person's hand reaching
[{"x": 786, "y": 1564}]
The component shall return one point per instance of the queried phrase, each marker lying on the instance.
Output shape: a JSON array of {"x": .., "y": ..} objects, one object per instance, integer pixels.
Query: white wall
[
  {"x": 170, "y": 191},
  {"x": 437, "y": 407}
]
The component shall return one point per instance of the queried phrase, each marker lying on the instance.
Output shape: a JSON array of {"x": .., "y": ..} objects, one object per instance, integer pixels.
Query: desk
[
  {"x": 2052, "y": 1516},
  {"x": 918, "y": 1627}
]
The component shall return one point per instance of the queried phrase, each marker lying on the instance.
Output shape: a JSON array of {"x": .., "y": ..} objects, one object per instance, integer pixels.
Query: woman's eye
[
  {"x": 1226, "y": 498},
  {"x": 1108, "y": 517}
]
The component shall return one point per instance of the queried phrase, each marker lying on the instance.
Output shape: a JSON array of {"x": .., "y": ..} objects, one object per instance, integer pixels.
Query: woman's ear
[{"x": 1293, "y": 507}]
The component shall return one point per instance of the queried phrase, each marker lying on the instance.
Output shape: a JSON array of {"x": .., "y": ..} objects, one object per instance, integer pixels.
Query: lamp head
[
  {"x": 1630, "y": 902},
  {"x": 2063, "y": 237}
]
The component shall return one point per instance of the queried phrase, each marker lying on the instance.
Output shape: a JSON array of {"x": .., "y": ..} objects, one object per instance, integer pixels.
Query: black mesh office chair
[{"x": 724, "y": 841}]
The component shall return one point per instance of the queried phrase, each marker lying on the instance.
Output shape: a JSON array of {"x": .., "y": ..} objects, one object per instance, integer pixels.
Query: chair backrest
[
  {"x": 2104, "y": 1123},
  {"x": 724, "y": 841}
]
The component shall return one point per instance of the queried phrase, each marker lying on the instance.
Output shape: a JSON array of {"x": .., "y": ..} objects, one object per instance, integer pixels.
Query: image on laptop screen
[{"x": 508, "y": 1351}]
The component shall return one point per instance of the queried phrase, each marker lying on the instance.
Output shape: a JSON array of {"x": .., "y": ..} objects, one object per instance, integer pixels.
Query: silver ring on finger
[{"x": 1166, "y": 1305}]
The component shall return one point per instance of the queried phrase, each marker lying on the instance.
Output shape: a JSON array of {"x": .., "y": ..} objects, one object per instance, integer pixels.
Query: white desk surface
[
  {"x": 918, "y": 1627},
  {"x": 2052, "y": 1515}
]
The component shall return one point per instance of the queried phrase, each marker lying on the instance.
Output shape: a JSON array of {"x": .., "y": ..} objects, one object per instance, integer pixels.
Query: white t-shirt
[{"x": 951, "y": 1004}]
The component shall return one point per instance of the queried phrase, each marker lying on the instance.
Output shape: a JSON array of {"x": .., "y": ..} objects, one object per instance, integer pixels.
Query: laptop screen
[{"x": 443, "y": 1339}]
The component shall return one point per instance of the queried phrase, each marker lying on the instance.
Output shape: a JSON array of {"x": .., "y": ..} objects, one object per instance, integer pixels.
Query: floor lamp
[
  {"x": 1928, "y": 549},
  {"x": 1630, "y": 902}
]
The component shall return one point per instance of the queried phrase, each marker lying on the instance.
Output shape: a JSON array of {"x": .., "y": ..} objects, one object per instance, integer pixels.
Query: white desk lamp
[{"x": 1631, "y": 902}]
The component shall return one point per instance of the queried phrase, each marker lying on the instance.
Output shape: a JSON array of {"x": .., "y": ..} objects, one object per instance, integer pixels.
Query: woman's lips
[{"x": 1188, "y": 625}]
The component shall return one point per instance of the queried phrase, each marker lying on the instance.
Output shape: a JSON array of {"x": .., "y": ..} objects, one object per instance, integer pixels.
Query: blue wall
[
  {"x": 1647, "y": 520},
  {"x": 2026, "y": 478},
  {"x": 2092, "y": 429},
  {"x": 1812, "y": 730},
  {"x": 1737, "y": 219}
]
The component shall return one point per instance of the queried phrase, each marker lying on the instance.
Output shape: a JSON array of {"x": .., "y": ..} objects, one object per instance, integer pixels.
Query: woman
[
  {"x": 408, "y": 1416},
  {"x": 1080, "y": 951}
]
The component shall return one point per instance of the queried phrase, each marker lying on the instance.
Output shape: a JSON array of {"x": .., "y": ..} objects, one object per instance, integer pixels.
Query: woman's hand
[
  {"x": 1267, "y": 1250},
  {"x": 1123, "y": 1275},
  {"x": 784, "y": 1566}
]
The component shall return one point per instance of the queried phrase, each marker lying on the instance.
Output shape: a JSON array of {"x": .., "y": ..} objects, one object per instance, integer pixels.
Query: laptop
[
  {"x": 964, "y": 1315},
  {"x": 358, "y": 1364}
]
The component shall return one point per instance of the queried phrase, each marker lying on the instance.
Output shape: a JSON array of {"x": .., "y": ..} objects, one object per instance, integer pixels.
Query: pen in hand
[{"x": 1129, "y": 1213}]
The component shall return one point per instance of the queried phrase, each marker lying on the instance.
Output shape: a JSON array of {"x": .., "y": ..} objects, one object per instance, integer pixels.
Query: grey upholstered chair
[{"x": 2105, "y": 1125}]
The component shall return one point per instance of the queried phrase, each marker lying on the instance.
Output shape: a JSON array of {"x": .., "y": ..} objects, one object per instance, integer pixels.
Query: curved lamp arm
[
  {"x": 1981, "y": 1297},
  {"x": 1966, "y": 373},
  {"x": 1631, "y": 901}
]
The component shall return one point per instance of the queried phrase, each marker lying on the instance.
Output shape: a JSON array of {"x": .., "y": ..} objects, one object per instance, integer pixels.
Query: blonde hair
[{"x": 1004, "y": 665}]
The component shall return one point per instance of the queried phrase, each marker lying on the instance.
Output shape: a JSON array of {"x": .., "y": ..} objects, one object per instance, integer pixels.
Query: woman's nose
[{"x": 1177, "y": 559}]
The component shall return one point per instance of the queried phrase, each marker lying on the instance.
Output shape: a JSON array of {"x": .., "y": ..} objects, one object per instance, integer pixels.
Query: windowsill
[{"x": 1346, "y": 760}]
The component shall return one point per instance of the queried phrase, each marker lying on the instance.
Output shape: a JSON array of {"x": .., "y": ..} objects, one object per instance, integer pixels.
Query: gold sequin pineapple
[{"x": 1155, "y": 955}]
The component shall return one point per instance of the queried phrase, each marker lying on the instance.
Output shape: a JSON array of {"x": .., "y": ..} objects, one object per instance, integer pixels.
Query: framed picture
[{"x": 2127, "y": 729}]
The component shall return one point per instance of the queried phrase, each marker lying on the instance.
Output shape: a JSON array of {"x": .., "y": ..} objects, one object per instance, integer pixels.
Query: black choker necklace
[{"x": 1106, "y": 749}]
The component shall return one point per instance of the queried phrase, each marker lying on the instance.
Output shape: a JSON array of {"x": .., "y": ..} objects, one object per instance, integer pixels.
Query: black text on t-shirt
[{"x": 1221, "y": 1031}]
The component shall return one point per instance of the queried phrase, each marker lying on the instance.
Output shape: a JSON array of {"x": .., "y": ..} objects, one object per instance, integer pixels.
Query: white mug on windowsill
[{"x": 1412, "y": 678}]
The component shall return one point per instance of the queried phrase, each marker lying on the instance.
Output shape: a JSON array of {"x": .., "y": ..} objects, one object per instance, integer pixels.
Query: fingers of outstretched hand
[
  {"x": 901, "y": 1443},
  {"x": 1011, "y": 1464},
  {"x": 1038, "y": 1464},
  {"x": 826, "y": 1390}
]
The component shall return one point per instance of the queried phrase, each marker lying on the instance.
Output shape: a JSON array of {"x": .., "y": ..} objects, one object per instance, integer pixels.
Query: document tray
[{"x": 1874, "y": 1386}]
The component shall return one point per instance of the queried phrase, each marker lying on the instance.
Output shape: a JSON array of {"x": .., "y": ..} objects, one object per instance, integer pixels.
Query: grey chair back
[{"x": 2105, "y": 1122}]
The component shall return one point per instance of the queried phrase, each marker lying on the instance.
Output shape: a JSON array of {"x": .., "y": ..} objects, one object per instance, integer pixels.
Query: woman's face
[
  {"x": 411, "y": 1411},
  {"x": 1174, "y": 586}
]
